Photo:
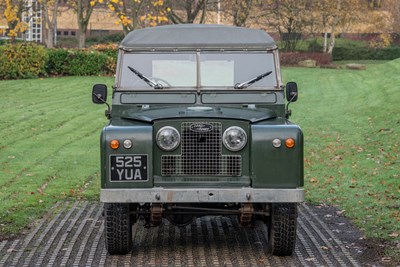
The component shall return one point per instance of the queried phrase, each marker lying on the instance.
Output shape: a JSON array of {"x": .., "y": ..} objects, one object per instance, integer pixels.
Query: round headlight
[
  {"x": 168, "y": 138},
  {"x": 235, "y": 138}
]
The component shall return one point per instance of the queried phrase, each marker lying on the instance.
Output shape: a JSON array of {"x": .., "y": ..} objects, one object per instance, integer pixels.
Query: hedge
[
  {"x": 28, "y": 60},
  {"x": 346, "y": 53},
  {"x": 82, "y": 62},
  {"x": 22, "y": 61},
  {"x": 57, "y": 63},
  {"x": 293, "y": 58},
  {"x": 76, "y": 62}
]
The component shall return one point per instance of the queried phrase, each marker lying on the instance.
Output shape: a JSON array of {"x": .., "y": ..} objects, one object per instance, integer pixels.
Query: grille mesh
[{"x": 201, "y": 154}]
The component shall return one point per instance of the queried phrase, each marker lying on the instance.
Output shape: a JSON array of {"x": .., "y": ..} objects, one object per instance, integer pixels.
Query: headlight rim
[
  {"x": 226, "y": 144},
  {"x": 177, "y": 143}
]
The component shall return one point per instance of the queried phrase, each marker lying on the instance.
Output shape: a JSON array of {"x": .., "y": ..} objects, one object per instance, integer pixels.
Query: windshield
[{"x": 193, "y": 70}]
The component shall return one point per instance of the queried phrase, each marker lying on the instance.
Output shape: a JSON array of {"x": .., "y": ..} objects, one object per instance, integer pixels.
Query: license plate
[{"x": 128, "y": 168}]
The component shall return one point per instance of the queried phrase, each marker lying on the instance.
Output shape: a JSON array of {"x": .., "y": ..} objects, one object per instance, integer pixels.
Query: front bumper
[{"x": 202, "y": 195}]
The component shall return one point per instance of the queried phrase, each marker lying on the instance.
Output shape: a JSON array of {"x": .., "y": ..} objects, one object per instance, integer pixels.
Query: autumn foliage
[
  {"x": 12, "y": 13},
  {"x": 25, "y": 60},
  {"x": 133, "y": 14}
]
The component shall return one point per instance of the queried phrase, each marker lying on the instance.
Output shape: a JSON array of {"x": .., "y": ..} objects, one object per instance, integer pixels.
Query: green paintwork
[
  {"x": 142, "y": 138},
  {"x": 263, "y": 165},
  {"x": 160, "y": 113},
  {"x": 139, "y": 112},
  {"x": 276, "y": 167},
  {"x": 226, "y": 105}
]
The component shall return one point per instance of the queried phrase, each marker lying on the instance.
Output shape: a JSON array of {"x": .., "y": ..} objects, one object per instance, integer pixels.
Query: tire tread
[
  {"x": 118, "y": 228},
  {"x": 282, "y": 229}
]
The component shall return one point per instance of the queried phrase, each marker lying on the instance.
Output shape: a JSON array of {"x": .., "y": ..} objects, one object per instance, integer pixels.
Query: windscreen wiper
[
  {"x": 147, "y": 80},
  {"x": 250, "y": 82}
]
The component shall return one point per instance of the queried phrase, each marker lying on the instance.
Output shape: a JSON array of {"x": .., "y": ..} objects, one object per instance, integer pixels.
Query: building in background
[{"x": 34, "y": 18}]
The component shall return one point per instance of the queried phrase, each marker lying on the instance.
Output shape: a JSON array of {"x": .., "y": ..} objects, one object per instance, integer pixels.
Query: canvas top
[{"x": 197, "y": 37}]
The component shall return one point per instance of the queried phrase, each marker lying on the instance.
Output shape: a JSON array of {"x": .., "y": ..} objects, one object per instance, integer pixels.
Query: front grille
[{"x": 201, "y": 154}]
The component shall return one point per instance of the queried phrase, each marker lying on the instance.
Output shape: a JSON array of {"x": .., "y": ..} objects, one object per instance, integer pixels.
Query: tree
[
  {"x": 289, "y": 18},
  {"x": 50, "y": 10},
  {"x": 241, "y": 11},
  {"x": 337, "y": 15},
  {"x": 83, "y": 10},
  {"x": 191, "y": 10},
  {"x": 325, "y": 10},
  {"x": 393, "y": 8},
  {"x": 13, "y": 10},
  {"x": 383, "y": 18},
  {"x": 134, "y": 13}
]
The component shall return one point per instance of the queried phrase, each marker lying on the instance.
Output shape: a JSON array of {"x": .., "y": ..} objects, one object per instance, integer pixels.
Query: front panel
[
  {"x": 201, "y": 158},
  {"x": 127, "y": 167},
  {"x": 273, "y": 167}
]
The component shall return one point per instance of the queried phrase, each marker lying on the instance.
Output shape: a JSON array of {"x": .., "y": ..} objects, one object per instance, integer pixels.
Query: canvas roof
[{"x": 197, "y": 36}]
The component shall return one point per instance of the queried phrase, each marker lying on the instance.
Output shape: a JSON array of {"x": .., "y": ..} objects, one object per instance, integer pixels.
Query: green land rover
[{"x": 199, "y": 126}]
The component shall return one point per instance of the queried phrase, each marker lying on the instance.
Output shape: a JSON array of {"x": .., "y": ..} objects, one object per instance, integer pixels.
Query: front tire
[
  {"x": 118, "y": 228},
  {"x": 282, "y": 229}
]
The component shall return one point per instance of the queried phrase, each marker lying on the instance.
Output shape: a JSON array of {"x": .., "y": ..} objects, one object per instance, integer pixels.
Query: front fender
[
  {"x": 142, "y": 139},
  {"x": 276, "y": 167}
]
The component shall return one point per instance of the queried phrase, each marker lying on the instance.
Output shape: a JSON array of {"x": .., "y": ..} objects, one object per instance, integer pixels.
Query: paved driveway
[{"x": 72, "y": 235}]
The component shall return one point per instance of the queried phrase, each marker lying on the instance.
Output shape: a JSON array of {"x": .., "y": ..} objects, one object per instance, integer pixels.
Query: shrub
[
  {"x": 348, "y": 53},
  {"x": 388, "y": 53},
  {"x": 7, "y": 40},
  {"x": 86, "y": 62},
  {"x": 21, "y": 61},
  {"x": 79, "y": 62},
  {"x": 110, "y": 38},
  {"x": 58, "y": 62},
  {"x": 110, "y": 66},
  {"x": 314, "y": 46},
  {"x": 114, "y": 38},
  {"x": 293, "y": 58},
  {"x": 67, "y": 42},
  {"x": 110, "y": 50},
  {"x": 28, "y": 60}
]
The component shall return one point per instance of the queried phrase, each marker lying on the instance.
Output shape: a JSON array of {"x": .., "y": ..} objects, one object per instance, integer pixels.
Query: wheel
[
  {"x": 282, "y": 229},
  {"x": 118, "y": 228}
]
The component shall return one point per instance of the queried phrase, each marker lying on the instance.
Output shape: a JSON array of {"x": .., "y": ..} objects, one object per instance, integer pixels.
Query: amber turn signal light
[
  {"x": 114, "y": 144},
  {"x": 289, "y": 143}
]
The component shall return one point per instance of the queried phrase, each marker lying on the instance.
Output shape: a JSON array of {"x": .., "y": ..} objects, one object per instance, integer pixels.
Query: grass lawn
[
  {"x": 49, "y": 146},
  {"x": 351, "y": 122},
  {"x": 367, "y": 63}
]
